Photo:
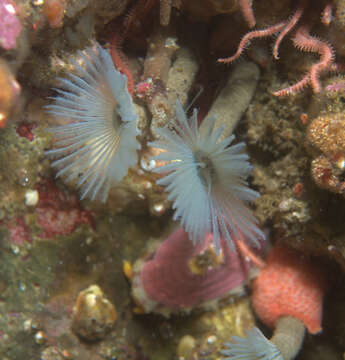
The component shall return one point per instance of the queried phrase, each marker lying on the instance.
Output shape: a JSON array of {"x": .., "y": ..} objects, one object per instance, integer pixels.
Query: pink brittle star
[
  {"x": 282, "y": 28},
  {"x": 303, "y": 41},
  {"x": 255, "y": 34}
]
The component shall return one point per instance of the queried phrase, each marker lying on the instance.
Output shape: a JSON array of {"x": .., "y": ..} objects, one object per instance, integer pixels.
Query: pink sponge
[{"x": 10, "y": 26}]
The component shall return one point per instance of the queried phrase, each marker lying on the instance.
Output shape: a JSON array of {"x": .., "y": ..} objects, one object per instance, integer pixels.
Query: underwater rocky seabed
[{"x": 54, "y": 246}]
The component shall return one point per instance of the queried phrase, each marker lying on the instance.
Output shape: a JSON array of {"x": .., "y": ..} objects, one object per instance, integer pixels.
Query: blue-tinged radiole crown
[
  {"x": 206, "y": 180},
  {"x": 253, "y": 347},
  {"x": 98, "y": 145}
]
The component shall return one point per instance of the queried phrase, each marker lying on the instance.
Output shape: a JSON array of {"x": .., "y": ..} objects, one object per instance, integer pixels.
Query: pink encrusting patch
[
  {"x": 10, "y": 26},
  {"x": 19, "y": 231},
  {"x": 59, "y": 212},
  {"x": 289, "y": 285},
  {"x": 167, "y": 278}
]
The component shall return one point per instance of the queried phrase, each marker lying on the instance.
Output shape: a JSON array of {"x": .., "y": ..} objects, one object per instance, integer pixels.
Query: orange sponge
[{"x": 289, "y": 285}]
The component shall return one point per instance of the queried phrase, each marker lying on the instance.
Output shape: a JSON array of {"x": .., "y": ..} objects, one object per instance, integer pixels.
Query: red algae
[{"x": 24, "y": 129}]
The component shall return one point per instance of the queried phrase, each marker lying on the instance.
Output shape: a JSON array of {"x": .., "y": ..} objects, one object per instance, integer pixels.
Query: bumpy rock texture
[{"x": 53, "y": 246}]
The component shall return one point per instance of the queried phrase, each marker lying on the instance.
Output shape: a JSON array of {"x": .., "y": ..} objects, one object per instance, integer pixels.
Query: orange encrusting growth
[
  {"x": 54, "y": 10},
  {"x": 289, "y": 285}
]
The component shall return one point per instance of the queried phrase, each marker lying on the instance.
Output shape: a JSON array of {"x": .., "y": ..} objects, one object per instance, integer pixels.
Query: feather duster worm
[
  {"x": 206, "y": 180},
  {"x": 99, "y": 146},
  {"x": 253, "y": 347}
]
